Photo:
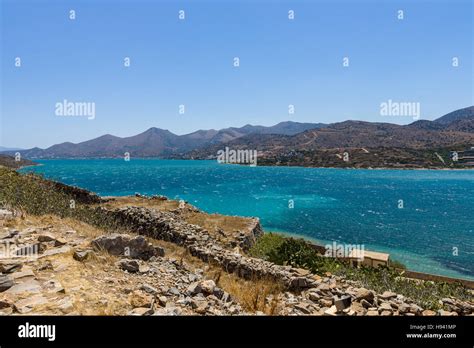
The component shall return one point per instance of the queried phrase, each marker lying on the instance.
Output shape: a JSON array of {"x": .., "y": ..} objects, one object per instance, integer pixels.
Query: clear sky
[{"x": 190, "y": 62}]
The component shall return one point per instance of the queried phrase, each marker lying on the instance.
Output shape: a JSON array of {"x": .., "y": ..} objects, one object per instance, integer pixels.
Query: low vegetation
[
  {"x": 32, "y": 194},
  {"x": 298, "y": 253}
]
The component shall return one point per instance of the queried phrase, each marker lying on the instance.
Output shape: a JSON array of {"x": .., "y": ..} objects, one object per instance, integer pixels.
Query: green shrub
[
  {"x": 265, "y": 245},
  {"x": 32, "y": 194},
  {"x": 299, "y": 253}
]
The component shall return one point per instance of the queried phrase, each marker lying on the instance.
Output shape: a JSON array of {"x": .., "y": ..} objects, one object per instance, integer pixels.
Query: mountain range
[
  {"x": 156, "y": 142},
  {"x": 453, "y": 129}
]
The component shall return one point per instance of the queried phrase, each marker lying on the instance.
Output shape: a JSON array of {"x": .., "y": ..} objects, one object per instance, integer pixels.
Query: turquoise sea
[{"x": 433, "y": 232}]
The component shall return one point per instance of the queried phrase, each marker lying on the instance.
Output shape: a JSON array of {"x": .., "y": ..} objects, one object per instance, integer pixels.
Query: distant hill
[
  {"x": 291, "y": 142},
  {"x": 461, "y": 114},
  {"x": 414, "y": 143},
  {"x": 9, "y": 161},
  {"x": 156, "y": 142}
]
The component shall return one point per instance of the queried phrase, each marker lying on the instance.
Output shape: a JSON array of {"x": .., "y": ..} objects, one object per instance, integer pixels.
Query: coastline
[
  {"x": 221, "y": 242},
  {"x": 321, "y": 244},
  {"x": 246, "y": 165},
  {"x": 312, "y": 240}
]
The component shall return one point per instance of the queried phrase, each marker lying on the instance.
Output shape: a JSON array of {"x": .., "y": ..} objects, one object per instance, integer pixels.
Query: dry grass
[
  {"x": 119, "y": 202},
  {"x": 85, "y": 282},
  {"x": 253, "y": 295},
  {"x": 58, "y": 223},
  {"x": 212, "y": 222},
  {"x": 220, "y": 226}
]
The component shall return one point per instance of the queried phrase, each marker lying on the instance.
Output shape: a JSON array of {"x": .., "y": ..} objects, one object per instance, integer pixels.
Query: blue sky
[{"x": 190, "y": 62}]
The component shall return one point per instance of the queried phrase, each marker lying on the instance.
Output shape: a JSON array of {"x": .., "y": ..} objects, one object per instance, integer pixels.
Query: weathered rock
[
  {"x": 342, "y": 303},
  {"x": 173, "y": 291},
  {"x": 141, "y": 311},
  {"x": 21, "y": 276},
  {"x": 30, "y": 285},
  {"x": 442, "y": 312},
  {"x": 385, "y": 306},
  {"x": 10, "y": 266},
  {"x": 129, "y": 265},
  {"x": 428, "y": 313},
  {"x": 65, "y": 305},
  {"x": 194, "y": 289},
  {"x": 139, "y": 298},
  {"x": 9, "y": 234},
  {"x": 323, "y": 288},
  {"x": 387, "y": 295},
  {"x": 192, "y": 277},
  {"x": 366, "y": 304},
  {"x": 49, "y": 237},
  {"x": 331, "y": 311},
  {"x": 358, "y": 308},
  {"x": 403, "y": 308},
  {"x": 144, "y": 268},
  {"x": 415, "y": 309},
  {"x": 5, "y": 303},
  {"x": 301, "y": 272},
  {"x": 313, "y": 296},
  {"x": 325, "y": 302},
  {"x": 82, "y": 255},
  {"x": 126, "y": 245},
  {"x": 149, "y": 289},
  {"x": 159, "y": 251},
  {"x": 28, "y": 304},
  {"x": 303, "y": 307},
  {"x": 56, "y": 251},
  {"x": 53, "y": 286},
  {"x": 218, "y": 292},
  {"x": 448, "y": 300},
  {"x": 300, "y": 283},
  {"x": 6, "y": 282},
  {"x": 162, "y": 300},
  {"x": 199, "y": 305},
  {"x": 208, "y": 286},
  {"x": 364, "y": 294},
  {"x": 6, "y": 311}
]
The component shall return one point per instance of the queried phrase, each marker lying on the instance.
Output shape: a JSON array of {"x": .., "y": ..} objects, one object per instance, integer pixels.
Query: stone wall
[
  {"x": 79, "y": 195},
  {"x": 170, "y": 227},
  {"x": 331, "y": 295}
]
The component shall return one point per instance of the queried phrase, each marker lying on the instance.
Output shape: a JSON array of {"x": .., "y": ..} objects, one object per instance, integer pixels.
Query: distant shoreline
[
  {"x": 238, "y": 164},
  {"x": 313, "y": 241}
]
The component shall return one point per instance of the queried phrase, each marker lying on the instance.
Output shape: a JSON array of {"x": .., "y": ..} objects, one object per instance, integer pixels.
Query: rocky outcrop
[
  {"x": 78, "y": 194},
  {"x": 126, "y": 245},
  {"x": 323, "y": 296},
  {"x": 169, "y": 227},
  {"x": 144, "y": 280},
  {"x": 246, "y": 239},
  {"x": 81, "y": 279}
]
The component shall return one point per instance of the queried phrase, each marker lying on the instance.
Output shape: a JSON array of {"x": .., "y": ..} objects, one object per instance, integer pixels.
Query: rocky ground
[
  {"x": 172, "y": 267},
  {"x": 75, "y": 273}
]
